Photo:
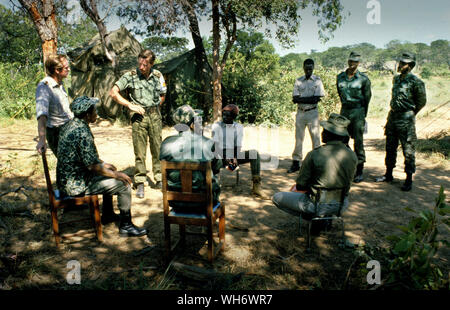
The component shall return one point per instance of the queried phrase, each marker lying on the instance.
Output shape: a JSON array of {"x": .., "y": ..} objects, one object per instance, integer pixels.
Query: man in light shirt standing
[
  {"x": 52, "y": 103},
  {"x": 308, "y": 90}
]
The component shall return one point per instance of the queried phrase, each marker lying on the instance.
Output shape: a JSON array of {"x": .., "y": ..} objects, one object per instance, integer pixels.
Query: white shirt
[
  {"x": 227, "y": 137},
  {"x": 52, "y": 101},
  {"x": 308, "y": 88}
]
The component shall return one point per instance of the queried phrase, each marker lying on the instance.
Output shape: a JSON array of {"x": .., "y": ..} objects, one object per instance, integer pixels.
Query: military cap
[
  {"x": 184, "y": 115},
  {"x": 81, "y": 104},
  {"x": 336, "y": 124},
  {"x": 354, "y": 56},
  {"x": 232, "y": 108},
  {"x": 407, "y": 58}
]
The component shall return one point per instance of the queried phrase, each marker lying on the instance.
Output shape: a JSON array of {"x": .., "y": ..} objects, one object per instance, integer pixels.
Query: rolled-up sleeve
[
  {"x": 122, "y": 83},
  {"x": 320, "y": 90},
  {"x": 43, "y": 97},
  {"x": 163, "y": 87}
]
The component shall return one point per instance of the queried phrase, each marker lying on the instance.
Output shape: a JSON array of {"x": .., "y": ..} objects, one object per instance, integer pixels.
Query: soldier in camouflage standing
[
  {"x": 355, "y": 94},
  {"x": 147, "y": 91},
  {"x": 408, "y": 98}
]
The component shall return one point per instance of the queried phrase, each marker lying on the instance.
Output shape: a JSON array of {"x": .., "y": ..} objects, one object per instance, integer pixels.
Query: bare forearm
[{"x": 42, "y": 127}]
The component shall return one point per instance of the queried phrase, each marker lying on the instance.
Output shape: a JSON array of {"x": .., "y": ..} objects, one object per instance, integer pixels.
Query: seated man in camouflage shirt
[
  {"x": 81, "y": 172},
  {"x": 189, "y": 146}
]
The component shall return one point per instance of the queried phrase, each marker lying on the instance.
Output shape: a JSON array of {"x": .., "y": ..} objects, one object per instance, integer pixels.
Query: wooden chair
[
  {"x": 323, "y": 197},
  {"x": 207, "y": 218},
  {"x": 57, "y": 202}
]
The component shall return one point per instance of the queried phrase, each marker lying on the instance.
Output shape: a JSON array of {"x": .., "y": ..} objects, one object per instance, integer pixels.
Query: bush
[{"x": 17, "y": 89}]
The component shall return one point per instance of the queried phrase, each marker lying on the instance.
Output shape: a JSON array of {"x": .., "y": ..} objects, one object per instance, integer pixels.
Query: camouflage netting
[
  {"x": 92, "y": 73},
  {"x": 93, "y": 76}
]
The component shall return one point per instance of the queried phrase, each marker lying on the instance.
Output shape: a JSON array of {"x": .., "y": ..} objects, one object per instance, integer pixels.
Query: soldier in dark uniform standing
[
  {"x": 355, "y": 94},
  {"x": 408, "y": 98},
  {"x": 147, "y": 92}
]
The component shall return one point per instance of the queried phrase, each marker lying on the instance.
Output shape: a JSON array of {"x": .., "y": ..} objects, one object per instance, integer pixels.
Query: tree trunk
[
  {"x": 44, "y": 21},
  {"x": 217, "y": 67},
  {"x": 200, "y": 56},
  {"x": 92, "y": 12}
]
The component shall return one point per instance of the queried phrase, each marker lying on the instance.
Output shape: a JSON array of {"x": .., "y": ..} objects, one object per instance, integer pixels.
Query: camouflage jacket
[
  {"x": 331, "y": 166},
  {"x": 76, "y": 151},
  {"x": 354, "y": 92},
  {"x": 408, "y": 94},
  {"x": 142, "y": 91}
]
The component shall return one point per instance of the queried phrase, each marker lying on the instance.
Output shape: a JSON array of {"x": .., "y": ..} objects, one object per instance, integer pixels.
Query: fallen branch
[
  {"x": 16, "y": 190},
  {"x": 201, "y": 274},
  {"x": 348, "y": 272}
]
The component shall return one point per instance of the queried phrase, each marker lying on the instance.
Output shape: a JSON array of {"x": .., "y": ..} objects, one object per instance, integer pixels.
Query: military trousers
[
  {"x": 356, "y": 130},
  {"x": 147, "y": 129},
  {"x": 251, "y": 157},
  {"x": 305, "y": 119},
  {"x": 109, "y": 187},
  {"x": 401, "y": 127}
]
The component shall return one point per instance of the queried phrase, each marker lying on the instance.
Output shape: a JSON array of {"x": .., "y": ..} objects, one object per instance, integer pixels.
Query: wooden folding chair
[
  {"x": 323, "y": 197},
  {"x": 207, "y": 218},
  {"x": 57, "y": 202}
]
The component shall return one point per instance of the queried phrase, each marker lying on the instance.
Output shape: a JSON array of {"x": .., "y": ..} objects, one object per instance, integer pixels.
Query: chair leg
[
  {"x": 210, "y": 242},
  {"x": 222, "y": 231},
  {"x": 308, "y": 237},
  {"x": 55, "y": 226},
  {"x": 97, "y": 220},
  {"x": 167, "y": 240}
]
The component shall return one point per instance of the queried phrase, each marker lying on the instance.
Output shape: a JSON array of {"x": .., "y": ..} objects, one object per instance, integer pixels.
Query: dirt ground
[{"x": 264, "y": 249}]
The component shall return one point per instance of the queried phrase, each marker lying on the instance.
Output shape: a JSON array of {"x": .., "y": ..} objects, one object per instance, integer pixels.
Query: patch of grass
[{"x": 436, "y": 146}]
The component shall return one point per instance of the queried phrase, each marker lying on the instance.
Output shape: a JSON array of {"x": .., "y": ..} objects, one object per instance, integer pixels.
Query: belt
[
  {"x": 154, "y": 108},
  {"x": 306, "y": 110}
]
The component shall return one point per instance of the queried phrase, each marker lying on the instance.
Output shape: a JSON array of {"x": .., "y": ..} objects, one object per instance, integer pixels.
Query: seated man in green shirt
[
  {"x": 81, "y": 172},
  {"x": 331, "y": 166},
  {"x": 189, "y": 146}
]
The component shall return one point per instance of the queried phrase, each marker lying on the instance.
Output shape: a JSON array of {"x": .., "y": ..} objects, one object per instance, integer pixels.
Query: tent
[{"x": 92, "y": 73}]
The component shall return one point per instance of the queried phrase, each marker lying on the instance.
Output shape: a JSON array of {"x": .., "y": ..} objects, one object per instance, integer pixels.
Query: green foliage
[
  {"x": 19, "y": 41},
  {"x": 166, "y": 48},
  {"x": 413, "y": 251},
  {"x": 71, "y": 36},
  {"x": 17, "y": 89}
]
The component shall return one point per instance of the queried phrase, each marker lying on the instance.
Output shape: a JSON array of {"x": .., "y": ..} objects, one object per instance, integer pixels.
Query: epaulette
[{"x": 157, "y": 73}]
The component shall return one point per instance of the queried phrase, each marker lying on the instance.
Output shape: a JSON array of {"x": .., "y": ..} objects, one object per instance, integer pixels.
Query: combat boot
[
  {"x": 108, "y": 215},
  {"x": 387, "y": 177},
  {"x": 294, "y": 167},
  {"x": 140, "y": 193},
  {"x": 407, "y": 186},
  {"x": 256, "y": 190},
  {"x": 359, "y": 173},
  {"x": 127, "y": 228}
]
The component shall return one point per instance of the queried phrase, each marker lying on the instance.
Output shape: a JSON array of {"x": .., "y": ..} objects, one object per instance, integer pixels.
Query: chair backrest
[
  {"x": 186, "y": 194},
  {"x": 331, "y": 197},
  {"x": 51, "y": 193}
]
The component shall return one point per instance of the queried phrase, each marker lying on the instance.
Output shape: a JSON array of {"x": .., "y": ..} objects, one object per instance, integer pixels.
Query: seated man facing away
[
  {"x": 331, "y": 166},
  {"x": 227, "y": 135},
  {"x": 81, "y": 172},
  {"x": 189, "y": 146}
]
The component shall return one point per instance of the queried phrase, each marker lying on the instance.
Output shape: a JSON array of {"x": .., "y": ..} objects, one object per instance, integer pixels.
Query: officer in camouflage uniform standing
[
  {"x": 408, "y": 98},
  {"x": 147, "y": 91},
  {"x": 355, "y": 94}
]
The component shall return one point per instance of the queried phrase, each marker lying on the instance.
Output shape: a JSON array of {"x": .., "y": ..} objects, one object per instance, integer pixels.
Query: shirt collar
[
  {"x": 335, "y": 142},
  {"x": 52, "y": 82},
  {"x": 312, "y": 77}
]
